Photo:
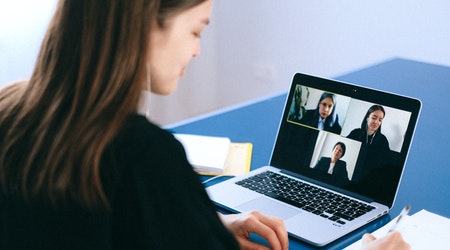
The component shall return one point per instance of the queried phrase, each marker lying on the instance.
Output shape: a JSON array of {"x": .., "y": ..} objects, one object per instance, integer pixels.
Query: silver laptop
[{"x": 337, "y": 161}]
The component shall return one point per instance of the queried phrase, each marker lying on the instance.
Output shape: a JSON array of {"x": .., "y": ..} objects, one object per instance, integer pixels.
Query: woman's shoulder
[
  {"x": 383, "y": 140},
  {"x": 342, "y": 163},
  {"x": 138, "y": 121},
  {"x": 139, "y": 138},
  {"x": 355, "y": 132},
  {"x": 138, "y": 129},
  {"x": 383, "y": 136}
]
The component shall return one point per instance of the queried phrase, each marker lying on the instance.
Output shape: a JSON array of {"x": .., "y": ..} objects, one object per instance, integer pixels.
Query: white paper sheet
[
  {"x": 422, "y": 230},
  {"x": 205, "y": 153}
]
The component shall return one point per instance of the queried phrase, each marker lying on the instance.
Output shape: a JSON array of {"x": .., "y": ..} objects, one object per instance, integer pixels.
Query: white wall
[
  {"x": 322, "y": 37},
  {"x": 253, "y": 47},
  {"x": 22, "y": 27}
]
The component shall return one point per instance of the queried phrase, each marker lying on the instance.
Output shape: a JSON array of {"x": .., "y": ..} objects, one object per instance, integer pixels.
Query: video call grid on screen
[
  {"x": 350, "y": 112},
  {"x": 365, "y": 169}
]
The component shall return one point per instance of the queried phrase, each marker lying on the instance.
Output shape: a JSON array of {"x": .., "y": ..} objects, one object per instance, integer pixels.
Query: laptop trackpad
[{"x": 269, "y": 207}]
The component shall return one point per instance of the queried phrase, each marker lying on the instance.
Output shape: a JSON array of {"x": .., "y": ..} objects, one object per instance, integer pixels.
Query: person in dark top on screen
[
  {"x": 333, "y": 166},
  {"x": 377, "y": 171},
  {"x": 374, "y": 145},
  {"x": 297, "y": 109},
  {"x": 324, "y": 117}
]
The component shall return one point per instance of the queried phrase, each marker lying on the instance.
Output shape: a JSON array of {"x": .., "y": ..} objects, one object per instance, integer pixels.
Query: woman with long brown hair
[{"x": 80, "y": 167}]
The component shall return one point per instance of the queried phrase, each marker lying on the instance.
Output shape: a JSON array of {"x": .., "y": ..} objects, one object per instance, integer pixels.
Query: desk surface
[{"x": 425, "y": 179}]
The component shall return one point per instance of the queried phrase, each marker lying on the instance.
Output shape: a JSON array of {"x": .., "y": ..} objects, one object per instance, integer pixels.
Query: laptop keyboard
[{"x": 327, "y": 204}]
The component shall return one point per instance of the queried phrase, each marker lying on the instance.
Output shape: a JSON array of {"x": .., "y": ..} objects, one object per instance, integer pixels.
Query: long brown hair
[{"x": 55, "y": 127}]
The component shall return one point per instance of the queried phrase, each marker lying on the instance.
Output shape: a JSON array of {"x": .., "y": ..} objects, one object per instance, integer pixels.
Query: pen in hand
[{"x": 400, "y": 218}]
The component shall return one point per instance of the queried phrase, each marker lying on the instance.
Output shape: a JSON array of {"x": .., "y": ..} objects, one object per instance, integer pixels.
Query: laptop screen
[{"x": 351, "y": 138}]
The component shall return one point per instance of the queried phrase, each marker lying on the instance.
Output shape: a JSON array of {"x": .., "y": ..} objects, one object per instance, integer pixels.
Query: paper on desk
[
  {"x": 205, "y": 153},
  {"x": 422, "y": 230}
]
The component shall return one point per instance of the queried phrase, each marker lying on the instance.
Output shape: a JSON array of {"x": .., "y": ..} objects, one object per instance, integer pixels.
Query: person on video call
[
  {"x": 324, "y": 117},
  {"x": 333, "y": 166},
  {"x": 297, "y": 109},
  {"x": 375, "y": 146},
  {"x": 81, "y": 169}
]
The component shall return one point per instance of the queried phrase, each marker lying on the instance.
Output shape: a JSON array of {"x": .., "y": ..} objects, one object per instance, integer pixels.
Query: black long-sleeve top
[{"x": 157, "y": 202}]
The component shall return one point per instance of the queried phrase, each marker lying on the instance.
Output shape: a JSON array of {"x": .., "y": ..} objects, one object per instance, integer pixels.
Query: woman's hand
[
  {"x": 270, "y": 228},
  {"x": 392, "y": 240}
]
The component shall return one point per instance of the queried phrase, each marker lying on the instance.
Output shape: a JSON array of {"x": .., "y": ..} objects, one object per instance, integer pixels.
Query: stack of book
[{"x": 212, "y": 155}]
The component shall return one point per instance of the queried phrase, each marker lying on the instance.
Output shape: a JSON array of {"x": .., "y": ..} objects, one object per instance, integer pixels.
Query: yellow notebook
[{"x": 239, "y": 158}]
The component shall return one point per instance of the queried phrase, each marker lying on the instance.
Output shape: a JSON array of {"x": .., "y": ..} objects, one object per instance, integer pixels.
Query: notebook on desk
[{"x": 337, "y": 161}]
